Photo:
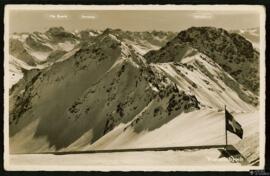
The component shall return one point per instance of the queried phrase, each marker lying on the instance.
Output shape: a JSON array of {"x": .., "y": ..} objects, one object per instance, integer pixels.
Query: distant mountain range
[{"x": 40, "y": 50}]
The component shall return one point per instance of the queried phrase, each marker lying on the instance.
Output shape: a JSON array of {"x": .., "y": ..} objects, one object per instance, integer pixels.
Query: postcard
[{"x": 134, "y": 87}]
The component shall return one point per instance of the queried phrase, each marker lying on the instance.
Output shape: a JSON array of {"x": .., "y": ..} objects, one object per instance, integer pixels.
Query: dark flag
[{"x": 232, "y": 125}]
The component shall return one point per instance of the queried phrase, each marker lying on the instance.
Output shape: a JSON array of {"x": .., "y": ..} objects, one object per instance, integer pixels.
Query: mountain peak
[
  {"x": 59, "y": 33},
  {"x": 56, "y": 29},
  {"x": 230, "y": 51}
]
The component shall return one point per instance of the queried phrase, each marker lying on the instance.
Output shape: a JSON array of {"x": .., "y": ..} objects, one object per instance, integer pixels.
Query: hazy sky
[{"x": 135, "y": 20}]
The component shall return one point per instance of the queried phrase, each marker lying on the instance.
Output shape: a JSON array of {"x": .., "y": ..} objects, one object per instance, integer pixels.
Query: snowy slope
[
  {"x": 15, "y": 74},
  {"x": 16, "y": 67},
  {"x": 179, "y": 132},
  {"x": 38, "y": 50},
  {"x": 201, "y": 127},
  {"x": 212, "y": 86},
  {"x": 126, "y": 161}
]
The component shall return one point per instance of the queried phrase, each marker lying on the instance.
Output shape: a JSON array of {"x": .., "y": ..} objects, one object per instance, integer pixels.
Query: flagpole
[{"x": 226, "y": 140}]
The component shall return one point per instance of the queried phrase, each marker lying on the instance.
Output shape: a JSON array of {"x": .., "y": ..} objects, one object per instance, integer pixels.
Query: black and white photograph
[{"x": 134, "y": 87}]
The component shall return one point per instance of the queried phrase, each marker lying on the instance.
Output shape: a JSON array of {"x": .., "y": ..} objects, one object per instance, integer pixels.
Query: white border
[{"x": 257, "y": 8}]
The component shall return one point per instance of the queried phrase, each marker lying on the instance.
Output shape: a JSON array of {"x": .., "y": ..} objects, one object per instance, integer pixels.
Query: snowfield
[
  {"x": 161, "y": 160},
  {"x": 202, "y": 127}
]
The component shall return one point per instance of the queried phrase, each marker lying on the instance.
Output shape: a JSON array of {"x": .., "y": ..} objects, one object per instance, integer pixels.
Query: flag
[{"x": 232, "y": 125}]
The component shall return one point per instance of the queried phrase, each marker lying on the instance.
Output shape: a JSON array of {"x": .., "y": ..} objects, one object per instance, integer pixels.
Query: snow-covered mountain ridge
[
  {"x": 231, "y": 51},
  {"x": 39, "y": 50}
]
